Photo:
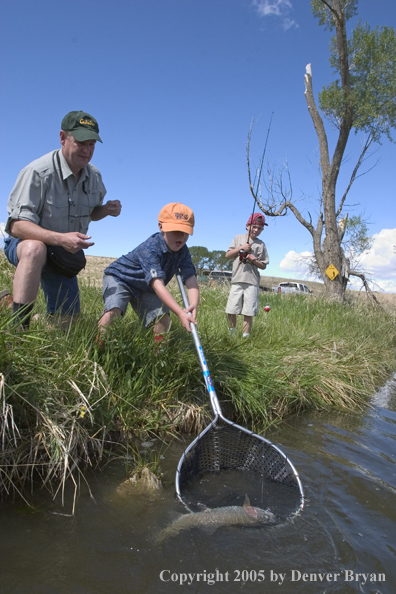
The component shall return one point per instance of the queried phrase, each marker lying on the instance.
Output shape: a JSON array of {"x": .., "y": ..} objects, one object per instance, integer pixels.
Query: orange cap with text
[{"x": 176, "y": 217}]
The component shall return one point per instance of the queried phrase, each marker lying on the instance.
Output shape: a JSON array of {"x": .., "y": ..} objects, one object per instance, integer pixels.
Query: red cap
[{"x": 257, "y": 219}]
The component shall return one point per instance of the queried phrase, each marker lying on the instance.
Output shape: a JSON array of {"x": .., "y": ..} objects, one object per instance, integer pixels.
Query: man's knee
[{"x": 32, "y": 251}]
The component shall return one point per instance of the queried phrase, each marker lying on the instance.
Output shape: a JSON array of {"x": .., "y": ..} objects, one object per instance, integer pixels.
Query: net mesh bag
[{"x": 226, "y": 447}]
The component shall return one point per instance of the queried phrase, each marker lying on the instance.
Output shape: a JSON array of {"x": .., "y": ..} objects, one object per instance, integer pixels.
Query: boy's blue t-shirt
[{"x": 151, "y": 259}]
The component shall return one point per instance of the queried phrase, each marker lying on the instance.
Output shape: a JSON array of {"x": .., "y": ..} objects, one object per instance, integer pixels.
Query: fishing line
[
  {"x": 242, "y": 253},
  {"x": 261, "y": 167}
]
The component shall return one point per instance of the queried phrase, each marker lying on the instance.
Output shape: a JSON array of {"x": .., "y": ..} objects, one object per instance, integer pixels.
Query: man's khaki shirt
[{"x": 52, "y": 198}]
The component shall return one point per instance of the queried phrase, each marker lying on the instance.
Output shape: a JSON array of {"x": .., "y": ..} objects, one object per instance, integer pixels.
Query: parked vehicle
[
  {"x": 291, "y": 288},
  {"x": 220, "y": 276}
]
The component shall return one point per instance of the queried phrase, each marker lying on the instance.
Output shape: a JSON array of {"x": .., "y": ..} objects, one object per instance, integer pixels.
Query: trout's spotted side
[{"x": 219, "y": 516}]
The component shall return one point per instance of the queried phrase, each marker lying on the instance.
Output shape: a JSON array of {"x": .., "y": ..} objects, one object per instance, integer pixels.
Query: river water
[{"x": 344, "y": 540}]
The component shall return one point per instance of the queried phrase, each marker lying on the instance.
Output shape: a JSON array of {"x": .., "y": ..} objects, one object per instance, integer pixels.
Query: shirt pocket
[{"x": 55, "y": 211}]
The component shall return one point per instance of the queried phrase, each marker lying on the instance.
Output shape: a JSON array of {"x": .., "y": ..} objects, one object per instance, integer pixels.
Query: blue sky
[{"x": 174, "y": 85}]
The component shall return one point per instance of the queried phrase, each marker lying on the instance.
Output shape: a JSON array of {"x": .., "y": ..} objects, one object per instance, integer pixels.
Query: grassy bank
[{"x": 65, "y": 405}]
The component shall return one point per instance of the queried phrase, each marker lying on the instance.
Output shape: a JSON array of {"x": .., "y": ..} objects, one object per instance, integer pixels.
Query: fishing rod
[{"x": 242, "y": 253}]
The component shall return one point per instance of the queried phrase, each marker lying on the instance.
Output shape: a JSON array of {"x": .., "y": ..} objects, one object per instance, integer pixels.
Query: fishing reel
[{"x": 242, "y": 255}]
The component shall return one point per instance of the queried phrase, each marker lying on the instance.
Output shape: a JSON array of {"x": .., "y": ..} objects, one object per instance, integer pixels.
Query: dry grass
[
  {"x": 141, "y": 480},
  {"x": 190, "y": 418},
  {"x": 387, "y": 300},
  {"x": 92, "y": 276},
  {"x": 93, "y": 273}
]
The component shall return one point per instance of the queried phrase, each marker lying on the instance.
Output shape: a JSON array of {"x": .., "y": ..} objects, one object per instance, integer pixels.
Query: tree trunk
[{"x": 335, "y": 289}]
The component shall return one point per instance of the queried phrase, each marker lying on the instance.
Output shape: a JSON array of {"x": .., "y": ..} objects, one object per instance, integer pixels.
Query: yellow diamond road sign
[{"x": 331, "y": 272}]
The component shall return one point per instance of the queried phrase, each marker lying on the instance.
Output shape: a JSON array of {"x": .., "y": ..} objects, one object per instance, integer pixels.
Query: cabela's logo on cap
[
  {"x": 82, "y": 125},
  {"x": 82, "y": 121}
]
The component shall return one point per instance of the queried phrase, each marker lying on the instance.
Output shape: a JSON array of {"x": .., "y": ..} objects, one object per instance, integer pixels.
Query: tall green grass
[{"x": 65, "y": 405}]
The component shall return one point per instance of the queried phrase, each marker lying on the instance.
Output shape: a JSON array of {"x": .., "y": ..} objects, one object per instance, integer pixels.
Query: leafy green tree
[
  {"x": 200, "y": 257},
  {"x": 363, "y": 99},
  {"x": 204, "y": 259},
  {"x": 218, "y": 261}
]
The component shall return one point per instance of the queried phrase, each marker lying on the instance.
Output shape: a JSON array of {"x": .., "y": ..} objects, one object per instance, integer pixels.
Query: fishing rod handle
[{"x": 205, "y": 369}]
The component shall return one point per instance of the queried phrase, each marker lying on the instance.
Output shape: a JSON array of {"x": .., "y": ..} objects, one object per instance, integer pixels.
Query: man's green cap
[{"x": 82, "y": 125}]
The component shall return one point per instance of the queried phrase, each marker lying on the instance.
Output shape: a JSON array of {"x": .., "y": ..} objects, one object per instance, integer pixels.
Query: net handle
[
  {"x": 205, "y": 369},
  {"x": 217, "y": 410}
]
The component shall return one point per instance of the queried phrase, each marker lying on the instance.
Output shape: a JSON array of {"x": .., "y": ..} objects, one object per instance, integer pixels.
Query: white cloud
[
  {"x": 375, "y": 284},
  {"x": 272, "y": 7},
  {"x": 289, "y": 23},
  {"x": 379, "y": 264},
  {"x": 295, "y": 262},
  {"x": 276, "y": 8},
  {"x": 380, "y": 261}
]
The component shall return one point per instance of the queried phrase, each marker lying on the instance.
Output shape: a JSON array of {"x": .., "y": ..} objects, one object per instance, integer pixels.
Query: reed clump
[{"x": 64, "y": 404}]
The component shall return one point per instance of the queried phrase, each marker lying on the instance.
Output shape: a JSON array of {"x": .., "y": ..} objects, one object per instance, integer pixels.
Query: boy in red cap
[
  {"x": 139, "y": 278},
  {"x": 250, "y": 255}
]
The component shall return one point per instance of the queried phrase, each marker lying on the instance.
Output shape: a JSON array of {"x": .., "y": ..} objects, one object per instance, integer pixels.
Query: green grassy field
[{"x": 66, "y": 405}]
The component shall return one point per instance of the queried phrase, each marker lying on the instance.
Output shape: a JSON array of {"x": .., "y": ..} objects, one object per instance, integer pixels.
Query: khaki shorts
[
  {"x": 243, "y": 299},
  {"x": 149, "y": 307}
]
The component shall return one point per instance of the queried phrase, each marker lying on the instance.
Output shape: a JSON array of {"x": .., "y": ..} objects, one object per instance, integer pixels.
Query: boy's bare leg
[
  {"x": 247, "y": 324},
  {"x": 162, "y": 325},
  {"x": 232, "y": 320},
  {"x": 108, "y": 318},
  {"x": 160, "y": 329}
]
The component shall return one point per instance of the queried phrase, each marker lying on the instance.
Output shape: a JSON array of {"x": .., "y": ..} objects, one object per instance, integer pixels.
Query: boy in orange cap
[
  {"x": 139, "y": 278},
  {"x": 250, "y": 255}
]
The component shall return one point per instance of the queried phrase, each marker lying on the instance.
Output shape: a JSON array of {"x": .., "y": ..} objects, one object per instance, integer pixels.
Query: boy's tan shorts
[
  {"x": 243, "y": 299},
  {"x": 149, "y": 307}
]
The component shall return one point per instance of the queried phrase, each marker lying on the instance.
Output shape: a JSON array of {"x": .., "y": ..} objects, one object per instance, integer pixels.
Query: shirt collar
[{"x": 164, "y": 247}]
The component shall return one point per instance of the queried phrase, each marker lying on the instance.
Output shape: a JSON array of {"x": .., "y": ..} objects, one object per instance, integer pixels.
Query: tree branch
[
  {"x": 279, "y": 206},
  {"x": 329, "y": 7},
  {"x": 317, "y": 122},
  {"x": 367, "y": 143},
  {"x": 372, "y": 298}
]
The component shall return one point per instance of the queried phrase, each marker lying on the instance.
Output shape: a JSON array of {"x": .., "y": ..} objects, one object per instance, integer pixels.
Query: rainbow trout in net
[
  {"x": 224, "y": 446},
  {"x": 211, "y": 519}
]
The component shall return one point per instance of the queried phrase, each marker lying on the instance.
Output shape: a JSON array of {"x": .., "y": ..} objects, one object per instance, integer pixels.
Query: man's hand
[
  {"x": 74, "y": 241},
  {"x": 113, "y": 208}
]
